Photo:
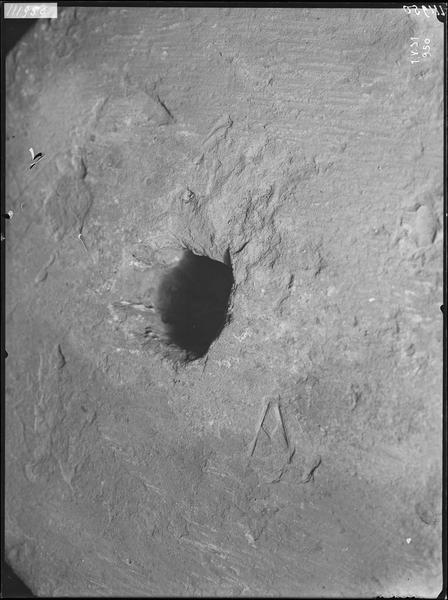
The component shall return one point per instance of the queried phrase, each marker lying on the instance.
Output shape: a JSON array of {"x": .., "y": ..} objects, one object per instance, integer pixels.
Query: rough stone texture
[{"x": 302, "y": 455}]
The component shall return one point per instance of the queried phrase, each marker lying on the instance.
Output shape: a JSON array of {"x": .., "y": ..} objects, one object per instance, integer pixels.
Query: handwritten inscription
[
  {"x": 435, "y": 10},
  {"x": 46, "y": 10},
  {"x": 420, "y": 50}
]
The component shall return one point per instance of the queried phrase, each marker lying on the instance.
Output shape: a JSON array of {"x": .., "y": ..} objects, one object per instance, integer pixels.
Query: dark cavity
[{"x": 193, "y": 300}]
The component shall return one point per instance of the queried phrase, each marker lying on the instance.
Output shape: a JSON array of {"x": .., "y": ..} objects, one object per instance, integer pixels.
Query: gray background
[{"x": 307, "y": 143}]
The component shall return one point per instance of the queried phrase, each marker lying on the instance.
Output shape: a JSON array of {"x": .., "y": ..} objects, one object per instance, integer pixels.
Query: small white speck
[
  {"x": 408, "y": 540},
  {"x": 372, "y": 299},
  {"x": 250, "y": 538}
]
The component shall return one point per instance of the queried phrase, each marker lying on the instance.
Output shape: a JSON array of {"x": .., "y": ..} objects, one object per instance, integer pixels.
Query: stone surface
[{"x": 302, "y": 455}]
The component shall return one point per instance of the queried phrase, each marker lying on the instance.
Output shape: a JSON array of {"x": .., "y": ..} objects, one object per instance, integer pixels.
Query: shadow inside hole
[{"x": 193, "y": 300}]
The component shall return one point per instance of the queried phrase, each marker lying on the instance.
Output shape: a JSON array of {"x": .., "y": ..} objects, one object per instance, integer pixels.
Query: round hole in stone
[{"x": 193, "y": 300}]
